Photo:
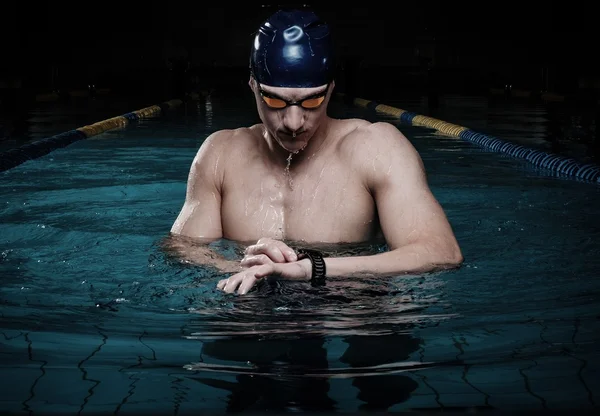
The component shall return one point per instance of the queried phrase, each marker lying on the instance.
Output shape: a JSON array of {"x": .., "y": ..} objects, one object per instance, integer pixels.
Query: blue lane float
[
  {"x": 559, "y": 164},
  {"x": 30, "y": 151}
]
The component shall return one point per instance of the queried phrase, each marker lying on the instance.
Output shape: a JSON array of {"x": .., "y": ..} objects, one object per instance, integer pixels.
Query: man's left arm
[{"x": 416, "y": 229}]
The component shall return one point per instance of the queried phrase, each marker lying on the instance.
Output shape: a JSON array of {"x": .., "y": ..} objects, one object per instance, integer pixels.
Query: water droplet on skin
[{"x": 287, "y": 171}]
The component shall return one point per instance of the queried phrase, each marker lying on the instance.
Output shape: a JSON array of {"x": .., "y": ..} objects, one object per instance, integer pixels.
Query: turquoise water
[{"x": 96, "y": 318}]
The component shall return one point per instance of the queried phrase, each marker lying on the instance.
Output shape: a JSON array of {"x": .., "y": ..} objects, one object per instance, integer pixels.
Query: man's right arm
[{"x": 200, "y": 216}]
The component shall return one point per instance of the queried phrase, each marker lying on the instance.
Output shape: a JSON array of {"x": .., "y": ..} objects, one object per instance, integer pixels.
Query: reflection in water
[
  {"x": 281, "y": 359},
  {"x": 573, "y": 131},
  {"x": 289, "y": 368},
  {"x": 208, "y": 108},
  {"x": 272, "y": 349},
  {"x": 382, "y": 391},
  {"x": 283, "y": 364}
]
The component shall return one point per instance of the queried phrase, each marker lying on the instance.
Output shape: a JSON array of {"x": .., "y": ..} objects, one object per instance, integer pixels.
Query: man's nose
[{"x": 293, "y": 118}]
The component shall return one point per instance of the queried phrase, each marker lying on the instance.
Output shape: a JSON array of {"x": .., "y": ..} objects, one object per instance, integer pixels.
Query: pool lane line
[
  {"x": 30, "y": 151},
  {"x": 569, "y": 167}
]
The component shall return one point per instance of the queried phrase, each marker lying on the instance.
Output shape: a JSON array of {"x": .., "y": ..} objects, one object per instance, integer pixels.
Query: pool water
[{"x": 98, "y": 318}]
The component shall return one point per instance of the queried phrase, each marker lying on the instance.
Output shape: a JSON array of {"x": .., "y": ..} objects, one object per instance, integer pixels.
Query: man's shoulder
[
  {"x": 227, "y": 140},
  {"x": 366, "y": 137},
  {"x": 225, "y": 136},
  {"x": 221, "y": 148},
  {"x": 378, "y": 150}
]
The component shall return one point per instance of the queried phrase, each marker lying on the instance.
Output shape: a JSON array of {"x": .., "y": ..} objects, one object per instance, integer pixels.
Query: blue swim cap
[{"x": 293, "y": 49}]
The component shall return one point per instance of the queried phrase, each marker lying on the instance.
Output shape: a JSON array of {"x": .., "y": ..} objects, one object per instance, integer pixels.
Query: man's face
[{"x": 291, "y": 115}]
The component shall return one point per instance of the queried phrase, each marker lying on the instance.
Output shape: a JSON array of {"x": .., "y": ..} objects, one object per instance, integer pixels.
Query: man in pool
[{"x": 302, "y": 176}]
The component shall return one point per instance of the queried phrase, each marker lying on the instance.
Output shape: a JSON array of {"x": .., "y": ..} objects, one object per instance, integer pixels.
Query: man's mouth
[{"x": 292, "y": 134}]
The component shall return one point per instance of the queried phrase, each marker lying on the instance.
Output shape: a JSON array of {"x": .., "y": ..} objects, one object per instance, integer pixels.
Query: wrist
[{"x": 306, "y": 265}]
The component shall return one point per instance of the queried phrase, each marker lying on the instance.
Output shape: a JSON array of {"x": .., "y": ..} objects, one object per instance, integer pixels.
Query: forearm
[
  {"x": 199, "y": 254},
  {"x": 410, "y": 259},
  {"x": 205, "y": 256}
]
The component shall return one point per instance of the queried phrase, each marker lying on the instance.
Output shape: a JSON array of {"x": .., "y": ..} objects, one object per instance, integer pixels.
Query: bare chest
[{"x": 328, "y": 203}]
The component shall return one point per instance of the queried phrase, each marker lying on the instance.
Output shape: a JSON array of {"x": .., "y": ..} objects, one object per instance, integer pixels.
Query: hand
[
  {"x": 268, "y": 251},
  {"x": 246, "y": 279}
]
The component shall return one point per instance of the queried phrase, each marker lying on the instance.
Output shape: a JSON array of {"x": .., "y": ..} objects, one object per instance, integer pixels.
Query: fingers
[
  {"x": 255, "y": 260},
  {"x": 271, "y": 250},
  {"x": 290, "y": 255},
  {"x": 228, "y": 285},
  {"x": 244, "y": 281},
  {"x": 231, "y": 284},
  {"x": 276, "y": 250},
  {"x": 246, "y": 284}
]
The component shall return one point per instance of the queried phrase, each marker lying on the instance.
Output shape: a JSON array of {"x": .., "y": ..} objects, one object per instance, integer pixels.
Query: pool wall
[
  {"x": 561, "y": 165},
  {"x": 14, "y": 157}
]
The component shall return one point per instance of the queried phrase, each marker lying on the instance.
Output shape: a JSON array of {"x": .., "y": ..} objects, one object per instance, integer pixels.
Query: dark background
[{"x": 384, "y": 49}]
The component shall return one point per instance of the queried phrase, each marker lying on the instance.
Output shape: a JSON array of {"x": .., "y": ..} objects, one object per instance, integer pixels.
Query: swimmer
[{"x": 301, "y": 175}]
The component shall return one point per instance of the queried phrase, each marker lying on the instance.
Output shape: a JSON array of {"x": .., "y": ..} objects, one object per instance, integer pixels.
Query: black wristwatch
[{"x": 319, "y": 271}]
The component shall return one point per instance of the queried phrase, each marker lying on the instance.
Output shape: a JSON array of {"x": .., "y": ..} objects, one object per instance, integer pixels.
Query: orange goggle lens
[
  {"x": 309, "y": 103},
  {"x": 313, "y": 102},
  {"x": 274, "y": 102}
]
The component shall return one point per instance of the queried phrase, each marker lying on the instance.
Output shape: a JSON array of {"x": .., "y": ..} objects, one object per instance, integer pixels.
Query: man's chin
[{"x": 292, "y": 145}]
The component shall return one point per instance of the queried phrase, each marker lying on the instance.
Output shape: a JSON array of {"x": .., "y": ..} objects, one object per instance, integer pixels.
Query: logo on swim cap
[{"x": 293, "y": 49}]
